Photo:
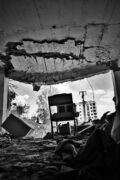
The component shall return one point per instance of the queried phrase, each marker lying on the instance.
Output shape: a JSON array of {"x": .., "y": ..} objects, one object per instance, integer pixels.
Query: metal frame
[{"x": 62, "y": 100}]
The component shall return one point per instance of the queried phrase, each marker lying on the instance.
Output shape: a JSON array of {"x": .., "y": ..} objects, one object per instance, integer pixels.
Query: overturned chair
[{"x": 61, "y": 108}]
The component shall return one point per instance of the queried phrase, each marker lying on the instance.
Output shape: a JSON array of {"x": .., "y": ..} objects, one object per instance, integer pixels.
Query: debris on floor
[
  {"x": 36, "y": 158},
  {"x": 29, "y": 158}
]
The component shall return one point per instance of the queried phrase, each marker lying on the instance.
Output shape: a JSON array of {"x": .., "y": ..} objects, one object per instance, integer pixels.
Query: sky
[{"x": 99, "y": 88}]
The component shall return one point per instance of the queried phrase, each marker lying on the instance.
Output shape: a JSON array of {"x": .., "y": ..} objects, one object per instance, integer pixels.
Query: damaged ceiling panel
[{"x": 55, "y": 41}]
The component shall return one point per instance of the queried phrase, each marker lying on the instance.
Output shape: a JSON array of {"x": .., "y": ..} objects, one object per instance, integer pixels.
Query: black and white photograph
[{"x": 59, "y": 89}]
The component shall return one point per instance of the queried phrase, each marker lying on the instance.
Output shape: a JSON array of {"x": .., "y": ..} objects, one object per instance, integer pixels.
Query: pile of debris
[
  {"x": 49, "y": 158},
  {"x": 29, "y": 158}
]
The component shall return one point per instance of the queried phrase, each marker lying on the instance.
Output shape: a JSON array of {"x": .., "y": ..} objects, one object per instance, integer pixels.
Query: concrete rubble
[
  {"x": 52, "y": 42},
  {"x": 28, "y": 158},
  {"x": 40, "y": 158}
]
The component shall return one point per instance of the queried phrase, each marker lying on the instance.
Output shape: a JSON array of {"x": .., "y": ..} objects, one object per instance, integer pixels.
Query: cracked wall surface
[{"x": 55, "y": 41}]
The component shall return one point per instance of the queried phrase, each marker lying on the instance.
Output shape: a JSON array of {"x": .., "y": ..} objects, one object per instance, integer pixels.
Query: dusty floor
[{"x": 28, "y": 159}]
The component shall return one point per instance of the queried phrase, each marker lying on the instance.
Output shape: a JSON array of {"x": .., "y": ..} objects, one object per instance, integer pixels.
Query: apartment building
[{"x": 89, "y": 113}]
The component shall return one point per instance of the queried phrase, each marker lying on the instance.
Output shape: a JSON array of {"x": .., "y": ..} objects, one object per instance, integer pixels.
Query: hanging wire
[{"x": 91, "y": 88}]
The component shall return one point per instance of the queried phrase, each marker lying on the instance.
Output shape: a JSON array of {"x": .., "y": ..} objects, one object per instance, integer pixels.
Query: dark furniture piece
[
  {"x": 16, "y": 126},
  {"x": 61, "y": 108}
]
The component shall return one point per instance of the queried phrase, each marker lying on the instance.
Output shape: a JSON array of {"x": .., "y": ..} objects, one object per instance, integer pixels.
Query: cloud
[
  {"x": 105, "y": 103},
  {"x": 26, "y": 96},
  {"x": 102, "y": 108},
  {"x": 32, "y": 111},
  {"x": 63, "y": 88},
  {"x": 21, "y": 99},
  {"x": 105, "y": 100},
  {"x": 107, "y": 97},
  {"x": 99, "y": 92}
]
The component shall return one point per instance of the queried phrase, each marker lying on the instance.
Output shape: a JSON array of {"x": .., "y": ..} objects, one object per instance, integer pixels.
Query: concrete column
[
  {"x": 116, "y": 84},
  {"x": 3, "y": 96},
  {"x": 115, "y": 132}
]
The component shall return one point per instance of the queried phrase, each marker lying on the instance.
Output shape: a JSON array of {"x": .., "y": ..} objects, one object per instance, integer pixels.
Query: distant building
[{"x": 90, "y": 109}]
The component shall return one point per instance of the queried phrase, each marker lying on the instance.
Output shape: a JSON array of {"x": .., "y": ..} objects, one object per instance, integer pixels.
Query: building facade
[{"x": 90, "y": 111}]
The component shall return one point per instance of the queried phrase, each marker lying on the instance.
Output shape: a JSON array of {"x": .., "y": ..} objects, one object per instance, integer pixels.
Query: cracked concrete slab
[{"x": 50, "y": 42}]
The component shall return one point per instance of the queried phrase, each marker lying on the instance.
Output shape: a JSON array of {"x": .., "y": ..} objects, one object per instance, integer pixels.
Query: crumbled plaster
[{"x": 60, "y": 53}]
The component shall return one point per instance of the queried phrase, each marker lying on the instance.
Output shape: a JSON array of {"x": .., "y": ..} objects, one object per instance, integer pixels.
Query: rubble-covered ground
[{"x": 29, "y": 158}]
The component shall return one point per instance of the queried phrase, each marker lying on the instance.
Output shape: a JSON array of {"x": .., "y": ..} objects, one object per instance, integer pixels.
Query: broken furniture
[
  {"x": 61, "y": 108},
  {"x": 16, "y": 126},
  {"x": 64, "y": 128}
]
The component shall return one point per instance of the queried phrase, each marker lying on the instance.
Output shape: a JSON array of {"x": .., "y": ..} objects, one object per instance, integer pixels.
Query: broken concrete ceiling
[{"x": 49, "y": 41}]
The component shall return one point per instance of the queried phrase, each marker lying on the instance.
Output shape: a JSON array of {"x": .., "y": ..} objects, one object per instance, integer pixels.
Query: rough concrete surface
[
  {"x": 56, "y": 41},
  {"x": 29, "y": 158}
]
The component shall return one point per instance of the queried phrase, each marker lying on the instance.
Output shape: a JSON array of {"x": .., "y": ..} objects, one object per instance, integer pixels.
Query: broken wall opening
[{"x": 98, "y": 88}]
